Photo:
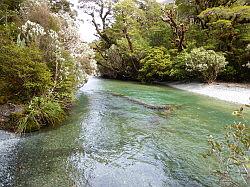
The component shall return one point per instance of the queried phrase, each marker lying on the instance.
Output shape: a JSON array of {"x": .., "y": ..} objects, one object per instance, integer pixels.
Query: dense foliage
[
  {"x": 156, "y": 64},
  {"x": 28, "y": 75},
  {"x": 207, "y": 63},
  {"x": 42, "y": 60},
  {"x": 129, "y": 30}
]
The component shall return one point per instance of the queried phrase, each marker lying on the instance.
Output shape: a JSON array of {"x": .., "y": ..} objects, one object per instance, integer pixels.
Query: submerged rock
[{"x": 146, "y": 105}]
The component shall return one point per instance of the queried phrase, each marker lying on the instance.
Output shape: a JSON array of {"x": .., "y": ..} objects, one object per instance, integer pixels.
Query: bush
[
  {"x": 39, "y": 112},
  {"x": 229, "y": 74},
  {"x": 178, "y": 71},
  {"x": 207, "y": 63},
  {"x": 8, "y": 34},
  {"x": 156, "y": 65},
  {"x": 69, "y": 78},
  {"x": 23, "y": 74},
  {"x": 42, "y": 61},
  {"x": 232, "y": 155}
]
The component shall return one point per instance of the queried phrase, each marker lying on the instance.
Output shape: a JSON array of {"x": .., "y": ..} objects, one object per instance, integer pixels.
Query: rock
[
  {"x": 146, "y": 105},
  {"x": 6, "y": 110}
]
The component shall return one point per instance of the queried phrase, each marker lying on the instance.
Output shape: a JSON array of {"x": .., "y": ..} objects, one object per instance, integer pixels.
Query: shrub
[
  {"x": 178, "y": 71},
  {"x": 69, "y": 78},
  {"x": 229, "y": 73},
  {"x": 39, "y": 112},
  {"x": 8, "y": 10},
  {"x": 207, "y": 63},
  {"x": 8, "y": 34},
  {"x": 156, "y": 65},
  {"x": 232, "y": 155},
  {"x": 23, "y": 74}
]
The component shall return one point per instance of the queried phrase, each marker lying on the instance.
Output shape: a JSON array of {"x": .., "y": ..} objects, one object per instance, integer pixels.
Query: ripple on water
[
  {"x": 8, "y": 143},
  {"x": 110, "y": 141}
]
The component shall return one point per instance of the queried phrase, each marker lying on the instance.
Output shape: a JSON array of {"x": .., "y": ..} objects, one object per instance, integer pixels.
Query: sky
[{"x": 87, "y": 30}]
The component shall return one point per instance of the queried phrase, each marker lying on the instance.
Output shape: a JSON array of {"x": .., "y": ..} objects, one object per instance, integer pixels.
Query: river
[{"x": 109, "y": 140}]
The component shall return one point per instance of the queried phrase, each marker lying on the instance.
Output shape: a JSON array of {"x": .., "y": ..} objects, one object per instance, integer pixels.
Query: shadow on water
[{"x": 111, "y": 141}]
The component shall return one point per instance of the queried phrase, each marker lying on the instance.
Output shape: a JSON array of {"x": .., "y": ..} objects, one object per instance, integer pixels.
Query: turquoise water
[{"x": 111, "y": 141}]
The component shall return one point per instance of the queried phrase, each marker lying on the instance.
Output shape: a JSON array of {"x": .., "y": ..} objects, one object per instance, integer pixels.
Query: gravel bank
[{"x": 231, "y": 92}]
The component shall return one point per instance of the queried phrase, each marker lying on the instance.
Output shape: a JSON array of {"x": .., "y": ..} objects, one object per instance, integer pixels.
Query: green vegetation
[
  {"x": 42, "y": 56},
  {"x": 147, "y": 41},
  {"x": 232, "y": 154},
  {"x": 23, "y": 73},
  {"x": 42, "y": 62},
  {"x": 156, "y": 64},
  {"x": 207, "y": 63},
  {"x": 39, "y": 112}
]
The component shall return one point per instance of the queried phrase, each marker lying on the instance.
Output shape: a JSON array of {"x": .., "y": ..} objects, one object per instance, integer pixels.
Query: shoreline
[
  {"x": 230, "y": 92},
  {"x": 237, "y": 93}
]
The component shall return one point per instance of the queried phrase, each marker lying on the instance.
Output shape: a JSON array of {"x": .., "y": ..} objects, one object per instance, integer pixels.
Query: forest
[{"x": 186, "y": 40}]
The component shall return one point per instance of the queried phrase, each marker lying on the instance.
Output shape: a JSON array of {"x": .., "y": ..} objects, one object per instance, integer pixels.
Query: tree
[
  {"x": 134, "y": 27},
  {"x": 103, "y": 10},
  {"x": 228, "y": 31},
  {"x": 179, "y": 29}
]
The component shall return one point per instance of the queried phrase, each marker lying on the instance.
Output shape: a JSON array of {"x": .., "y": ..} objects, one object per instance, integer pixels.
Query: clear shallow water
[{"x": 111, "y": 141}]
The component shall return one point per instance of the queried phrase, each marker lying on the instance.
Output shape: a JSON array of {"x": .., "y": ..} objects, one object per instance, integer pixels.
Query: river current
[{"x": 109, "y": 140}]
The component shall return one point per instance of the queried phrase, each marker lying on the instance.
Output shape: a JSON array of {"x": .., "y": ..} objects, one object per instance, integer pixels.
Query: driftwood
[{"x": 142, "y": 103}]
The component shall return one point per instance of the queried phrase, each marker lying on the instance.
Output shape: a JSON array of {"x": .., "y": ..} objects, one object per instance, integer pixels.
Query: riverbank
[
  {"x": 231, "y": 92},
  {"x": 110, "y": 141}
]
